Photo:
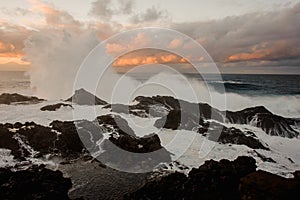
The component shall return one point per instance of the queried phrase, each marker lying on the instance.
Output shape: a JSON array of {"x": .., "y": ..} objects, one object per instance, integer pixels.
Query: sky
[{"x": 249, "y": 36}]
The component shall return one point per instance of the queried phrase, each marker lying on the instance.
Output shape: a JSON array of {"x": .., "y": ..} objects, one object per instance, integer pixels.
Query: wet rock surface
[
  {"x": 185, "y": 115},
  {"x": 109, "y": 138},
  {"x": 214, "y": 131},
  {"x": 270, "y": 123}
]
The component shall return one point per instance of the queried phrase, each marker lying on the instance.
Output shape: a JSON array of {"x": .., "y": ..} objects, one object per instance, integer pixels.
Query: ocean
[
  {"x": 279, "y": 93},
  {"x": 259, "y": 84},
  {"x": 15, "y": 82}
]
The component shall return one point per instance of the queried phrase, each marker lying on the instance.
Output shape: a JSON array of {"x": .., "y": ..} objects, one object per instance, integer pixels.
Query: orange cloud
[
  {"x": 118, "y": 48},
  {"x": 6, "y": 47},
  {"x": 175, "y": 44},
  {"x": 114, "y": 48},
  {"x": 147, "y": 56},
  {"x": 255, "y": 55},
  {"x": 12, "y": 58}
]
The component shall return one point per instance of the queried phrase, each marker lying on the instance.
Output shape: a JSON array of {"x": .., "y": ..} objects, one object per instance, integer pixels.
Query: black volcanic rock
[
  {"x": 33, "y": 140},
  {"x": 7, "y": 98},
  {"x": 8, "y": 142},
  {"x": 115, "y": 123},
  {"x": 55, "y": 107},
  {"x": 264, "y": 185},
  {"x": 233, "y": 135},
  {"x": 212, "y": 180},
  {"x": 68, "y": 143},
  {"x": 83, "y": 97},
  {"x": 124, "y": 149},
  {"x": 214, "y": 131},
  {"x": 177, "y": 119},
  {"x": 37, "y": 182},
  {"x": 186, "y": 115},
  {"x": 74, "y": 139},
  {"x": 261, "y": 117},
  {"x": 225, "y": 179}
]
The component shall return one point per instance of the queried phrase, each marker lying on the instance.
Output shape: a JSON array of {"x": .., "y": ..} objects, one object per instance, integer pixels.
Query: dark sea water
[
  {"x": 278, "y": 93},
  {"x": 257, "y": 84},
  {"x": 247, "y": 84}
]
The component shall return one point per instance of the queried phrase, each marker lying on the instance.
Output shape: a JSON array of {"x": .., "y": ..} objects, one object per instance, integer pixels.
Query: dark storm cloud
[
  {"x": 108, "y": 8},
  {"x": 266, "y": 36},
  {"x": 150, "y": 15}
]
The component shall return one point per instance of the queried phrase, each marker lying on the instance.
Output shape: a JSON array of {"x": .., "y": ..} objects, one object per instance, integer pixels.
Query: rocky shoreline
[{"x": 84, "y": 150}]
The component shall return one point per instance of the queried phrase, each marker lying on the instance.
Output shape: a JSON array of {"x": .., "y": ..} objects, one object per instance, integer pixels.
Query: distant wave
[{"x": 236, "y": 85}]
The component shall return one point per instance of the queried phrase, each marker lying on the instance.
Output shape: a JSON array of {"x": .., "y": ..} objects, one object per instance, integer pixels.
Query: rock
[
  {"x": 177, "y": 119},
  {"x": 233, "y": 135},
  {"x": 261, "y": 117},
  {"x": 178, "y": 110},
  {"x": 83, "y": 97},
  {"x": 264, "y": 185},
  {"x": 168, "y": 187},
  {"x": 108, "y": 135},
  {"x": 264, "y": 158},
  {"x": 55, "y": 107},
  {"x": 37, "y": 182},
  {"x": 115, "y": 123},
  {"x": 8, "y": 142},
  {"x": 68, "y": 143},
  {"x": 214, "y": 131},
  {"x": 7, "y": 98},
  {"x": 33, "y": 140},
  {"x": 212, "y": 180},
  {"x": 297, "y": 175}
]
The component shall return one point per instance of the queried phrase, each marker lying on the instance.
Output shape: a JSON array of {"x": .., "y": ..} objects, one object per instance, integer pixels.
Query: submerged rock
[{"x": 55, "y": 107}]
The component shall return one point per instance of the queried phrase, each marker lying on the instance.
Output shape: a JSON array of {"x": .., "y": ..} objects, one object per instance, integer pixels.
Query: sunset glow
[
  {"x": 144, "y": 57},
  {"x": 231, "y": 37}
]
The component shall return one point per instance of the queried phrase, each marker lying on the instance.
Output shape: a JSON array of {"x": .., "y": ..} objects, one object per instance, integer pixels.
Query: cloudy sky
[{"x": 249, "y": 36}]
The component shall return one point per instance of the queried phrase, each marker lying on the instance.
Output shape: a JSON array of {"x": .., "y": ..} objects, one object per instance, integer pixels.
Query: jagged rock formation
[
  {"x": 83, "y": 97},
  {"x": 214, "y": 131},
  {"x": 261, "y": 117},
  {"x": 14, "y": 98},
  {"x": 185, "y": 115},
  {"x": 108, "y": 137}
]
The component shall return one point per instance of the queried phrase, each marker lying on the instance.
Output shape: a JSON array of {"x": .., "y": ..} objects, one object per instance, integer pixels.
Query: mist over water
[
  {"x": 174, "y": 85},
  {"x": 287, "y": 105},
  {"x": 57, "y": 55}
]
